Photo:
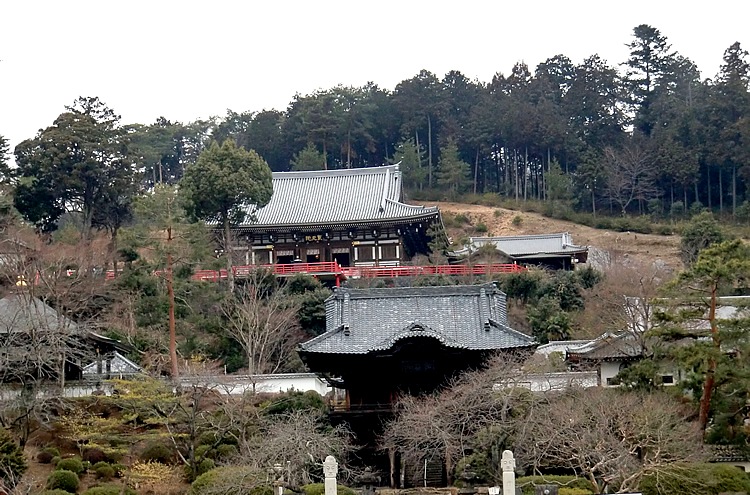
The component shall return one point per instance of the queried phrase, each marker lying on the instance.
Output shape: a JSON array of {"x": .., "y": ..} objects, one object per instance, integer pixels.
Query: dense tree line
[{"x": 647, "y": 135}]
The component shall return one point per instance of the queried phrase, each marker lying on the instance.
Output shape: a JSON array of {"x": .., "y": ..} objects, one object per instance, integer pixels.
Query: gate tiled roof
[{"x": 360, "y": 321}]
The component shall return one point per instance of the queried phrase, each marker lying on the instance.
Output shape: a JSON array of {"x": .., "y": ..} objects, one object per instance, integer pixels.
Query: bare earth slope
[{"x": 606, "y": 245}]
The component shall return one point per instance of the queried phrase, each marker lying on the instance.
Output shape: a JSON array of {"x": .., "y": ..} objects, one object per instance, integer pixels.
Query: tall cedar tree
[{"x": 225, "y": 186}]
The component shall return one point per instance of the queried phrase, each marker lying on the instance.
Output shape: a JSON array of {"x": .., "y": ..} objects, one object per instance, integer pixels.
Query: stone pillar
[
  {"x": 508, "y": 465},
  {"x": 330, "y": 470}
]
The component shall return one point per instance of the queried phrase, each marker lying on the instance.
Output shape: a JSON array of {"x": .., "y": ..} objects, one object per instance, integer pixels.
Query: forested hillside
[{"x": 646, "y": 134}]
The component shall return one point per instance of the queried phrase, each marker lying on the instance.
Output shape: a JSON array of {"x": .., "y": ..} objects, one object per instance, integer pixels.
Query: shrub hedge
[{"x": 63, "y": 480}]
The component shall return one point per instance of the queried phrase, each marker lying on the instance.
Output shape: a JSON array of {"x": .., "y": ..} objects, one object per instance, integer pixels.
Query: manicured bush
[
  {"x": 205, "y": 466},
  {"x": 70, "y": 464},
  {"x": 574, "y": 491},
  {"x": 12, "y": 461},
  {"x": 55, "y": 460},
  {"x": 100, "y": 464},
  {"x": 696, "y": 479},
  {"x": 527, "y": 484},
  {"x": 110, "y": 490},
  {"x": 319, "y": 489},
  {"x": 46, "y": 455},
  {"x": 119, "y": 469},
  {"x": 225, "y": 451},
  {"x": 105, "y": 472},
  {"x": 157, "y": 452},
  {"x": 63, "y": 480},
  {"x": 55, "y": 492}
]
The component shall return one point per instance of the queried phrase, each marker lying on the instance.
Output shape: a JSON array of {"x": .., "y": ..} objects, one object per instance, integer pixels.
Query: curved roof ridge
[{"x": 335, "y": 172}]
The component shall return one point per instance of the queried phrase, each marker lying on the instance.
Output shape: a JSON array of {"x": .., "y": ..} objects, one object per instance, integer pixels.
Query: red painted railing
[
  {"x": 333, "y": 268},
  {"x": 414, "y": 271}
]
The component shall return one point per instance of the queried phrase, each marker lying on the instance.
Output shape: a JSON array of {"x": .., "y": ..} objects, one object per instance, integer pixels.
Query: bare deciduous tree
[
  {"x": 610, "y": 437},
  {"x": 629, "y": 175},
  {"x": 264, "y": 322},
  {"x": 445, "y": 426},
  {"x": 299, "y": 441}
]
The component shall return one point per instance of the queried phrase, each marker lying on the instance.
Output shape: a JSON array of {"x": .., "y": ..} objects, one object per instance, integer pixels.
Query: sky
[{"x": 186, "y": 60}]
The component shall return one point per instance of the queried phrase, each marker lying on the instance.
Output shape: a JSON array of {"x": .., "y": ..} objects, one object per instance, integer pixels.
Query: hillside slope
[{"x": 606, "y": 246}]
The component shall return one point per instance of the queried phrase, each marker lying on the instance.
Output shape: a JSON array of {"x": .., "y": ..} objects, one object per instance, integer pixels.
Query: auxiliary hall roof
[
  {"x": 323, "y": 197},
  {"x": 360, "y": 321}
]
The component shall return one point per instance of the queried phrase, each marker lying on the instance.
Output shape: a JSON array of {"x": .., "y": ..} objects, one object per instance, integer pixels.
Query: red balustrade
[{"x": 340, "y": 272}]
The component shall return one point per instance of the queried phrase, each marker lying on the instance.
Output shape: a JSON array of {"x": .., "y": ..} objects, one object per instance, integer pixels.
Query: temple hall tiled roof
[
  {"x": 324, "y": 197},
  {"x": 360, "y": 321}
]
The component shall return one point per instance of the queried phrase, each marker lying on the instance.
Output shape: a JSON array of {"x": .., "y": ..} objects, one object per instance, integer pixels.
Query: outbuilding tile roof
[
  {"x": 621, "y": 345},
  {"x": 529, "y": 245},
  {"x": 322, "y": 197},
  {"x": 360, "y": 321}
]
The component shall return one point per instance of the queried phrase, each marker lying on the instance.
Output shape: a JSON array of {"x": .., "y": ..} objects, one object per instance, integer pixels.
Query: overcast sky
[{"x": 187, "y": 60}]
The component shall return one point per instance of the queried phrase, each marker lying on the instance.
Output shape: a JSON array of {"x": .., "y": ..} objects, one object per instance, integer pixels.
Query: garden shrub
[
  {"x": 119, "y": 469},
  {"x": 105, "y": 472},
  {"x": 696, "y": 479},
  {"x": 225, "y": 451},
  {"x": 157, "y": 452},
  {"x": 110, "y": 490},
  {"x": 527, "y": 483},
  {"x": 231, "y": 480},
  {"x": 46, "y": 455},
  {"x": 481, "y": 228},
  {"x": 12, "y": 462},
  {"x": 319, "y": 489},
  {"x": 55, "y": 460},
  {"x": 63, "y": 480},
  {"x": 56, "y": 491},
  {"x": 101, "y": 464},
  {"x": 71, "y": 464},
  {"x": 517, "y": 220},
  {"x": 205, "y": 466},
  {"x": 574, "y": 491}
]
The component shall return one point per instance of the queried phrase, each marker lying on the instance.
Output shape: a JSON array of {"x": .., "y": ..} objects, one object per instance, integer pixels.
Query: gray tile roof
[
  {"x": 559, "y": 346},
  {"x": 21, "y": 312},
  {"x": 621, "y": 345},
  {"x": 350, "y": 196},
  {"x": 528, "y": 246},
  {"x": 521, "y": 245},
  {"x": 360, "y": 321}
]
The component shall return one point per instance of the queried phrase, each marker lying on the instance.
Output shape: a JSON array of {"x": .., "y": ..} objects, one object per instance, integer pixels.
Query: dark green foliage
[
  {"x": 588, "y": 277},
  {"x": 157, "y": 452},
  {"x": 110, "y": 490},
  {"x": 548, "y": 320},
  {"x": 12, "y": 461},
  {"x": 56, "y": 491},
  {"x": 703, "y": 231},
  {"x": 696, "y": 479},
  {"x": 319, "y": 489},
  {"x": 63, "y": 480},
  {"x": 524, "y": 286},
  {"x": 106, "y": 472},
  {"x": 73, "y": 464},
  {"x": 205, "y": 466},
  {"x": 295, "y": 401},
  {"x": 527, "y": 483}
]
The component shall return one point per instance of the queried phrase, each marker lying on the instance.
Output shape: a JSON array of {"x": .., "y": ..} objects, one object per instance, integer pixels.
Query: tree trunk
[
  {"x": 708, "y": 384},
  {"x": 429, "y": 150},
  {"x": 721, "y": 194},
  {"x": 708, "y": 184},
  {"x": 419, "y": 158},
  {"x": 170, "y": 294},
  {"x": 476, "y": 170},
  {"x": 349, "y": 148},
  {"x": 228, "y": 252},
  {"x": 734, "y": 191}
]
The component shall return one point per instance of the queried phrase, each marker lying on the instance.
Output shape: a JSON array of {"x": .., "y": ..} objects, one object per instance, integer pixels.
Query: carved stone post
[
  {"x": 508, "y": 465},
  {"x": 330, "y": 470}
]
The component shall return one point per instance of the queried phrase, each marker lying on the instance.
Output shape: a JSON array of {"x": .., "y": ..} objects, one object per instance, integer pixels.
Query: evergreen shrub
[
  {"x": 73, "y": 464},
  {"x": 63, "y": 480}
]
